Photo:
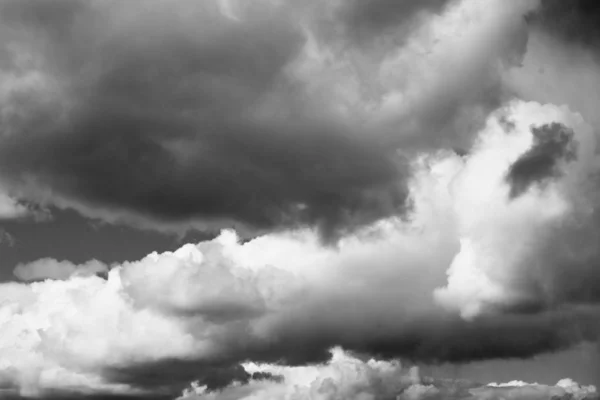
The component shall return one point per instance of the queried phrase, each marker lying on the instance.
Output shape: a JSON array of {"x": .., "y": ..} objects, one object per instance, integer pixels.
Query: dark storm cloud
[
  {"x": 164, "y": 120},
  {"x": 188, "y": 116},
  {"x": 552, "y": 144},
  {"x": 444, "y": 338},
  {"x": 573, "y": 21}
]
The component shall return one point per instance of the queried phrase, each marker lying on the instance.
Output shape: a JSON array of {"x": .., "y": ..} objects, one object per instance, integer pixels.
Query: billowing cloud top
[{"x": 398, "y": 179}]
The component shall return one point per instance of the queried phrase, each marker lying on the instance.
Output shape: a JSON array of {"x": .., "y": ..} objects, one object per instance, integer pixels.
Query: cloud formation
[
  {"x": 553, "y": 143},
  {"x": 10, "y": 208},
  {"x": 285, "y": 296},
  {"x": 343, "y": 376},
  {"x": 457, "y": 176},
  {"x": 227, "y": 114},
  {"x": 347, "y": 377},
  {"x": 564, "y": 389},
  {"x": 507, "y": 255}
]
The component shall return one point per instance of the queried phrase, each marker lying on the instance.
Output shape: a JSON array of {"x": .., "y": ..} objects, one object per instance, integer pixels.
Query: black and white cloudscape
[{"x": 385, "y": 180}]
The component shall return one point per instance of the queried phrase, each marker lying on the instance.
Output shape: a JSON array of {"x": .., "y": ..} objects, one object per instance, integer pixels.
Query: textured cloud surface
[
  {"x": 206, "y": 114},
  {"x": 285, "y": 296},
  {"x": 445, "y": 150},
  {"x": 346, "y": 377}
]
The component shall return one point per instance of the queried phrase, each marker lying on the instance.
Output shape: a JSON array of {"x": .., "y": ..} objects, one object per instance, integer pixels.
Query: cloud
[
  {"x": 276, "y": 117},
  {"x": 574, "y": 22},
  {"x": 70, "y": 335},
  {"x": 10, "y": 208},
  {"x": 561, "y": 67},
  {"x": 284, "y": 296},
  {"x": 347, "y": 377},
  {"x": 506, "y": 257},
  {"x": 199, "y": 116},
  {"x": 6, "y": 238},
  {"x": 548, "y": 66},
  {"x": 367, "y": 20},
  {"x": 49, "y": 268},
  {"x": 343, "y": 376},
  {"x": 552, "y": 143},
  {"x": 564, "y": 389}
]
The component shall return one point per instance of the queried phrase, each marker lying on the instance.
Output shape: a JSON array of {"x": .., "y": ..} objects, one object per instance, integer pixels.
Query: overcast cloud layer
[{"x": 445, "y": 150}]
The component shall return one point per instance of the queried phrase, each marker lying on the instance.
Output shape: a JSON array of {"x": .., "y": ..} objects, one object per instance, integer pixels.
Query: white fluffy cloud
[
  {"x": 502, "y": 239},
  {"x": 217, "y": 299},
  {"x": 192, "y": 303}
]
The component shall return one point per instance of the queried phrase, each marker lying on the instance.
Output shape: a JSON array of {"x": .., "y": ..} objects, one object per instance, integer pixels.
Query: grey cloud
[
  {"x": 162, "y": 123},
  {"x": 48, "y": 268},
  {"x": 179, "y": 117},
  {"x": 561, "y": 67},
  {"x": 170, "y": 377},
  {"x": 347, "y": 377},
  {"x": 553, "y": 143},
  {"x": 6, "y": 238},
  {"x": 574, "y": 22},
  {"x": 365, "y": 20},
  {"x": 565, "y": 389},
  {"x": 147, "y": 344},
  {"x": 438, "y": 338}
]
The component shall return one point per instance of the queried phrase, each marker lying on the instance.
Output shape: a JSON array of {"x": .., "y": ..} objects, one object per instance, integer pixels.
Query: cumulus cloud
[
  {"x": 465, "y": 220},
  {"x": 509, "y": 213},
  {"x": 200, "y": 115},
  {"x": 285, "y": 296}
]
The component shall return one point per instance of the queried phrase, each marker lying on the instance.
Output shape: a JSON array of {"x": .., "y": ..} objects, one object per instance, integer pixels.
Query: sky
[{"x": 285, "y": 199}]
